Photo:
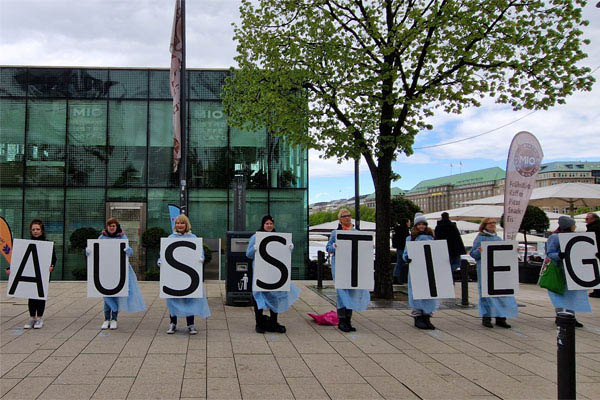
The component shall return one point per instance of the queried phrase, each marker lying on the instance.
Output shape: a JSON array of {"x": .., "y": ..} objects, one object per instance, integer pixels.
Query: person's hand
[
  {"x": 561, "y": 255},
  {"x": 291, "y": 246},
  {"x": 335, "y": 245},
  {"x": 7, "y": 270},
  {"x": 255, "y": 247},
  {"x": 201, "y": 260},
  {"x": 88, "y": 251},
  {"x": 51, "y": 268},
  {"x": 408, "y": 260},
  {"x": 158, "y": 262}
]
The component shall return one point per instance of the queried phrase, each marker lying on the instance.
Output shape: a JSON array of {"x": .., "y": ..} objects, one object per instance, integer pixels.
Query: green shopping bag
[{"x": 552, "y": 277}]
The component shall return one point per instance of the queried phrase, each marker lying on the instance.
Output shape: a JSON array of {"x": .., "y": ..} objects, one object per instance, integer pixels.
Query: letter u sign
[{"x": 107, "y": 267}]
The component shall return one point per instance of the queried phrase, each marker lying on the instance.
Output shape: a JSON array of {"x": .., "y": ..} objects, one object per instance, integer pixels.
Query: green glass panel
[
  {"x": 13, "y": 82},
  {"x": 126, "y": 195},
  {"x": 86, "y": 155},
  {"x": 208, "y": 124},
  {"x": 85, "y": 209},
  {"x": 288, "y": 208},
  {"x": 127, "y": 143},
  {"x": 159, "y": 85},
  {"x": 128, "y": 84},
  {"x": 288, "y": 165},
  {"x": 46, "y": 142},
  {"x": 208, "y": 213},
  {"x": 11, "y": 210},
  {"x": 12, "y": 141},
  {"x": 89, "y": 83},
  {"x": 161, "y": 145},
  {"x": 48, "y": 82},
  {"x": 47, "y": 204},
  {"x": 256, "y": 208},
  {"x": 206, "y": 85}
]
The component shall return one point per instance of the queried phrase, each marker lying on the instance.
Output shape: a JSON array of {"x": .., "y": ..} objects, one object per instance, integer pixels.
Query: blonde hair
[
  {"x": 341, "y": 210},
  {"x": 486, "y": 221},
  {"x": 183, "y": 218}
]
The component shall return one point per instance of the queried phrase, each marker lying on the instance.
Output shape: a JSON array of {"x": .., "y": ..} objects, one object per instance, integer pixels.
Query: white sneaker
[
  {"x": 172, "y": 329},
  {"x": 38, "y": 324},
  {"x": 113, "y": 324},
  {"x": 192, "y": 330},
  {"x": 105, "y": 324},
  {"x": 29, "y": 323}
]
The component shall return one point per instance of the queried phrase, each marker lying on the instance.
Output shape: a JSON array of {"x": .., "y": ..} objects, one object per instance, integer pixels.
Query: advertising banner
[{"x": 523, "y": 163}]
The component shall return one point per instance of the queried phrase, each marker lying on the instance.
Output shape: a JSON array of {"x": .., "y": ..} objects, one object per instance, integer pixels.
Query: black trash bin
[{"x": 238, "y": 271}]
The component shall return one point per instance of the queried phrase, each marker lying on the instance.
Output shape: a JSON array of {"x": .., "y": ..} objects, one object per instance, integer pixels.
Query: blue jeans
[{"x": 108, "y": 312}]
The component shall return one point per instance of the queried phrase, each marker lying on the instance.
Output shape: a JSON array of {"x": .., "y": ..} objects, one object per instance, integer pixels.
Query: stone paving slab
[{"x": 386, "y": 358}]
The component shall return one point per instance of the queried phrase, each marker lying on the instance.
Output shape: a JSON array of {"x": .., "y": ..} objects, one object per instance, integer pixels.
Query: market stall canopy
[
  {"x": 469, "y": 238},
  {"x": 478, "y": 211},
  {"x": 463, "y": 226},
  {"x": 572, "y": 194},
  {"x": 327, "y": 227}
]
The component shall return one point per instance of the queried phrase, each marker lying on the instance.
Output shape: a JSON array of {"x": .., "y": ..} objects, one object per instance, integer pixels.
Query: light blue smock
[
  {"x": 188, "y": 306},
  {"x": 502, "y": 307},
  {"x": 277, "y": 301},
  {"x": 134, "y": 302},
  {"x": 352, "y": 299},
  {"x": 425, "y": 306},
  {"x": 573, "y": 300}
]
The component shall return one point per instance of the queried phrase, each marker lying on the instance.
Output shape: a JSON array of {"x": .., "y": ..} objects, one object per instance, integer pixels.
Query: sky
[{"x": 118, "y": 33}]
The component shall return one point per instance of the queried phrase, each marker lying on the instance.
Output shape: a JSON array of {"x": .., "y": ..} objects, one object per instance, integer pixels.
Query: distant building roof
[
  {"x": 569, "y": 166},
  {"x": 466, "y": 178},
  {"x": 395, "y": 191}
]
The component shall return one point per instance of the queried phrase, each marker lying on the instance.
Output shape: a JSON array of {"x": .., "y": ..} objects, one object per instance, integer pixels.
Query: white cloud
[{"x": 330, "y": 168}]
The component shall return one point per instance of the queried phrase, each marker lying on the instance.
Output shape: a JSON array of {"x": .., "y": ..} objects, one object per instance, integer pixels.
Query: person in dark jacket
[
  {"x": 401, "y": 232},
  {"x": 446, "y": 229},
  {"x": 592, "y": 221},
  {"x": 37, "y": 306}
]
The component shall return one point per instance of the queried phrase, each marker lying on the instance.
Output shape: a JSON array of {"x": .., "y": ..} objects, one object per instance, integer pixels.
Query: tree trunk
[{"x": 383, "y": 272}]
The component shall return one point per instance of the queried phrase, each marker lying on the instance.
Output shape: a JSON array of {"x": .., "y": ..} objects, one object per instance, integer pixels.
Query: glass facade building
[{"x": 78, "y": 145}]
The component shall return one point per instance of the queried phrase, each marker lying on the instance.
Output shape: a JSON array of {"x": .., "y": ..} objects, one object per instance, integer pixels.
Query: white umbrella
[
  {"x": 470, "y": 212},
  {"x": 463, "y": 226},
  {"x": 327, "y": 227},
  {"x": 469, "y": 238},
  {"x": 573, "y": 194}
]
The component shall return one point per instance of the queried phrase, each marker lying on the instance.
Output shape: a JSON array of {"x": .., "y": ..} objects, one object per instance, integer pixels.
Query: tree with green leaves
[
  {"x": 358, "y": 78},
  {"x": 400, "y": 208}
]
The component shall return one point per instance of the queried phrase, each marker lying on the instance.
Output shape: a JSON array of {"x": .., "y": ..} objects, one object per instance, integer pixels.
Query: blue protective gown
[
  {"x": 134, "y": 302},
  {"x": 352, "y": 299},
  {"x": 502, "y": 307},
  {"x": 187, "y": 306},
  {"x": 277, "y": 301},
  {"x": 423, "y": 306},
  {"x": 572, "y": 300}
]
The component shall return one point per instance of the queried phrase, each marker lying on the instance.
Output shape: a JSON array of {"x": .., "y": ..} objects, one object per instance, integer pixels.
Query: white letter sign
[
  {"x": 30, "y": 269},
  {"x": 107, "y": 271},
  {"x": 429, "y": 269},
  {"x": 354, "y": 260},
  {"x": 181, "y": 269},
  {"x": 581, "y": 264},
  {"x": 499, "y": 268},
  {"x": 272, "y": 262}
]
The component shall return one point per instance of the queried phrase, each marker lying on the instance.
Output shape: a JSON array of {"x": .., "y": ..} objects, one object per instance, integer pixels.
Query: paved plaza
[{"x": 71, "y": 358}]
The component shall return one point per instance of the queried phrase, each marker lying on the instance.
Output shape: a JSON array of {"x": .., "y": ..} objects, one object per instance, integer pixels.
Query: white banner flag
[
  {"x": 176, "y": 50},
  {"x": 523, "y": 163}
]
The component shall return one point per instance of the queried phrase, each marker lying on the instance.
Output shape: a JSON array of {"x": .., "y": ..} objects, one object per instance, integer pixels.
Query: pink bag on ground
[{"x": 329, "y": 318}]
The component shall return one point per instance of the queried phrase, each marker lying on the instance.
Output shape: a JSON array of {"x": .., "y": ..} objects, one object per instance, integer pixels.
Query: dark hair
[
  {"x": 264, "y": 220},
  {"x": 111, "y": 221},
  {"x": 38, "y": 222},
  {"x": 445, "y": 215}
]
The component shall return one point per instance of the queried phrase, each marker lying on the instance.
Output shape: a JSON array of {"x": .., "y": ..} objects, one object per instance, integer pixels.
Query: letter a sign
[
  {"x": 30, "y": 269},
  {"x": 107, "y": 271}
]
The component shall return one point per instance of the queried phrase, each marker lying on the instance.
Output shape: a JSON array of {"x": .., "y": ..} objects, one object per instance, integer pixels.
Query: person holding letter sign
[
  {"x": 347, "y": 299},
  {"x": 424, "y": 308},
  {"x": 572, "y": 300},
  {"x": 499, "y": 307},
  {"x": 134, "y": 302},
  {"x": 36, "y": 307},
  {"x": 185, "y": 307},
  {"x": 276, "y": 301}
]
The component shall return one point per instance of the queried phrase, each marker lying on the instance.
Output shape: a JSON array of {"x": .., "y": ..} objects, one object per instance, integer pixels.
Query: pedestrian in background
[
  {"x": 401, "y": 232},
  {"x": 447, "y": 230}
]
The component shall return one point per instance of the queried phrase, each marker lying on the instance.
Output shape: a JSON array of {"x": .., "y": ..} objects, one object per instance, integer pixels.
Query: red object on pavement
[{"x": 329, "y": 318}]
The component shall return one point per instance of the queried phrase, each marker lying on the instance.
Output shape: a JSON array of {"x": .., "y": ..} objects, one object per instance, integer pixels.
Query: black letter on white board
[
  {"x": 354, "y": 260},
  {"x": 430, "y": 271},
  {"x": 122, "y": 271},
  {"x": 492, "y": 268},
  {"x": 589, "y": 261},
  {"x": 37, "y": 278},
  {"x": 262, "y": 249},
  {"x": 195, "y": 278}
]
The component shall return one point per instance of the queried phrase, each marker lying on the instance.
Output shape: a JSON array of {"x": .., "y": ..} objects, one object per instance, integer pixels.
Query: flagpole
[{"x": 183, "y": 193}]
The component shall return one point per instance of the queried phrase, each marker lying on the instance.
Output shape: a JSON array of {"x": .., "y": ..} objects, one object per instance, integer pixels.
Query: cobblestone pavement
[{"x": 70, "y": 357}]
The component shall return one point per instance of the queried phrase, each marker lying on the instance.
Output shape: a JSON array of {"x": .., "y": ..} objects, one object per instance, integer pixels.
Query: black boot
[
  {"x": 262, "y": 321},
  {"x": 343, "y": 324},
  {"x": 420, "y": 322},
  {"x": 428, "y": 322},
  {"x": 578, "y": 324},
  {"x": 501, "y": 322},
  {"x": 349, "y": 320},
  {"x": 595, "y": 293},
  {"x": 273, "y": 325},
  {"x": 487, "y": 322}
]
